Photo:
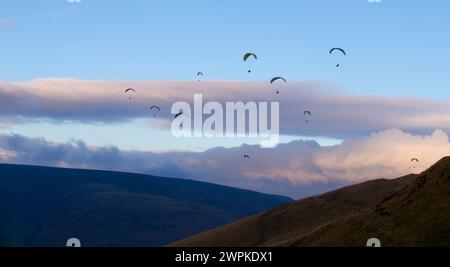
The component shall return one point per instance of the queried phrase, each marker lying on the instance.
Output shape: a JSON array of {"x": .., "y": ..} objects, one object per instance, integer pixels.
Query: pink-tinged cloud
[
  {"x": 290, "y": 169},
  {"x": 385, "y": 154},
  {"x": 4, "y": 24},
  {"x": 334, "y": 114}
]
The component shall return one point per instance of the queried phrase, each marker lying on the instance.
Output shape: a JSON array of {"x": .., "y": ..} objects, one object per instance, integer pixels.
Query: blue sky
[{"x": 395, "y": 48}]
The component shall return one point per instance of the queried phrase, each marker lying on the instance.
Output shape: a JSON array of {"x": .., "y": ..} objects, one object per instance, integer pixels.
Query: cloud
[
  {"x": 5, "y": 24},
  {"x": 298, "y": 169},
  {"x": 334, "y": 114},
  {"x": 385, "y": 154}
]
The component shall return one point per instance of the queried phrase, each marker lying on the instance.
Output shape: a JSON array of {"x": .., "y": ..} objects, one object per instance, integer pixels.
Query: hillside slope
[
  {"x": 410, "y": 211},
  {"x": 42, "y": 206}
]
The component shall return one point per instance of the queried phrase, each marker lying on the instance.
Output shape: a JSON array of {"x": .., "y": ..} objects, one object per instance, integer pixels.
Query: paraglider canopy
[
  {"x": 155, "y": 107},
  {"x": 246, "y": 56},
  {"x": 278, "y": 78},
  {"x": 179, "y": 114},
  {"x": 338, "y": 49}
]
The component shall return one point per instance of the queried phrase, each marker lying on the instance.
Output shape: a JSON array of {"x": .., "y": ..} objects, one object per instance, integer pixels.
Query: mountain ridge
[
  {"x": 44, "y": 206},
  {"x": 412, "y": 210}
]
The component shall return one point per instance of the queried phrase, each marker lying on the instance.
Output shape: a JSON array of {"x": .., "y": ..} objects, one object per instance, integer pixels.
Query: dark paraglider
[
  {"x": 155, "y": 108},
  {"x": 247, "y": 56},
  {"x": 128, "y": 92},
  {"x": 276, "y": 79},
  {"x": 340, "y": 50},
  {"x": 307, "y": 113},
  {"x": 199, "y": 75},
  {"x": 416, "y": 160}
]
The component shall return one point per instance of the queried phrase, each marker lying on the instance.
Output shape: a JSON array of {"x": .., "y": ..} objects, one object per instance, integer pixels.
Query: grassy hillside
[
  {"x": 42, "y": 206},
  {"x": 410, "y": 211}
]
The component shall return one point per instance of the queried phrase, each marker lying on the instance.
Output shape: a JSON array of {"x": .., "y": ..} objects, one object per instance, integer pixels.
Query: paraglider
[
  {"x": 415, "y": 160},
  {"x": 128, "y": 92},
  {"x": 276, "y": 79},
  {"x": 178, "y": 115},
  {"x": 247, "y": 56},
  {"x": 340, "y": 50},
  {"x": 199, "y": 74},
  {"x": 181, "y": 123},
  {"x": 155, "y": 108},
  {"x": 307, "y": 113},
  {"x": 246, "y": 157}
]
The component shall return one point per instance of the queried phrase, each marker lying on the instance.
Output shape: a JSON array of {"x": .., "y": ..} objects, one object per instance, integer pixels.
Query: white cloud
[
  {"x": 291, "y": 169},
  {"x": 334, "y": 115},
  {"x": 385, "y": 154}
]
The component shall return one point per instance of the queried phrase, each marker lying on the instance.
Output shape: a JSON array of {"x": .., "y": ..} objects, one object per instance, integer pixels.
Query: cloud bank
[
  {"x": 298, "y": 169},
  {"x": 335, "y": 115}
]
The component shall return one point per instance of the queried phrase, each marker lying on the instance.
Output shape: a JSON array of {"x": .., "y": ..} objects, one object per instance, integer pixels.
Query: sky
[
  {"x": 394, "y": 48},
  {"x": 64, "y": 67}
]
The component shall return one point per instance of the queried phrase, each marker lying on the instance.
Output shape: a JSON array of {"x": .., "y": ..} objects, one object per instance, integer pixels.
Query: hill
[
  {"x": 41, "y": 206},
  {"x": 409, "y": 211}
]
